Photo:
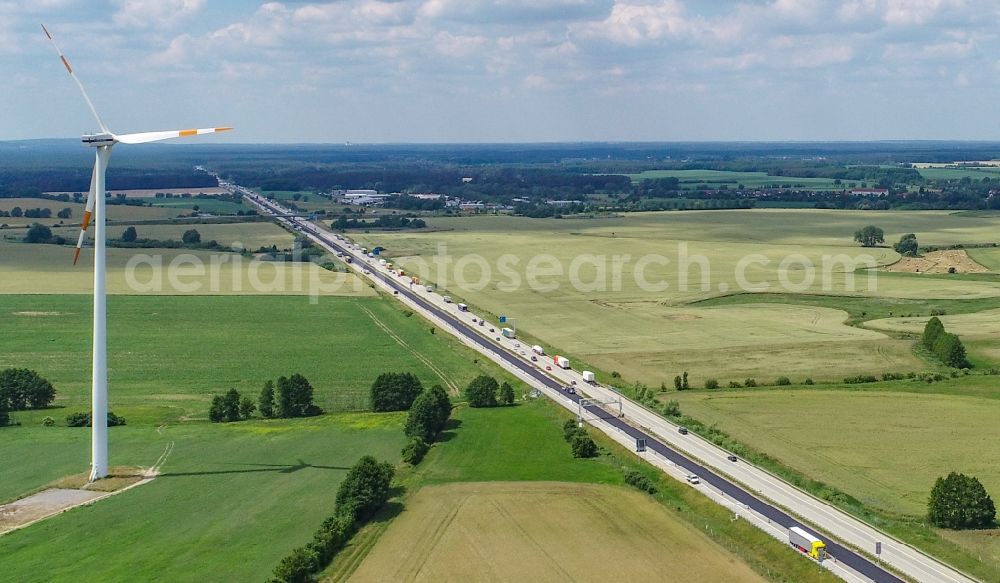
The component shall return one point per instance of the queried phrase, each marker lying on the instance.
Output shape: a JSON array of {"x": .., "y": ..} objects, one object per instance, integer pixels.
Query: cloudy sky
[{"x": 508, "y": 70}]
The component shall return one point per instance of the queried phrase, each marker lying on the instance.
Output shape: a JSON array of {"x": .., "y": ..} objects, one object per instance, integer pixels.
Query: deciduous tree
[
  {"x": 267, "y": 400},
  {"x": 506, "y": 396},
  {"x": 394, "y": 391},
  {"x": 482, "y": 392},
  {"x": 870, "y": 236},
  {"x": 960, "y": 501},
  {"x": 907, "y": 245}
]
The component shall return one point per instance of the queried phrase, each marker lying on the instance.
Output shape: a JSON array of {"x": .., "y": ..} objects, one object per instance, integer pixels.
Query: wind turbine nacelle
[{"x": 96, "y": 140}]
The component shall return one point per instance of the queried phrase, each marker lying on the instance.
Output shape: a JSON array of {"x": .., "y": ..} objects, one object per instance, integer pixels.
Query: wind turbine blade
[
  {"x": 91, "y": 197},
  {"x": 146, "y": 137},
  {"x": 83, "y": 91}
]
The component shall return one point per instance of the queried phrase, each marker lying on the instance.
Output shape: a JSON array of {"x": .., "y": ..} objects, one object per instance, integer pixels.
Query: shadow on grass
[
  {"x": 279, "y": 468},
  {"x": 449, "y": 431},
  {"x": 389, "y": 510}
]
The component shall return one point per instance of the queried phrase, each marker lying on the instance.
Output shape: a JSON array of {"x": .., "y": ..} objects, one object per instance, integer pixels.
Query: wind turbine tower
[{"x": 102, "y": 144}]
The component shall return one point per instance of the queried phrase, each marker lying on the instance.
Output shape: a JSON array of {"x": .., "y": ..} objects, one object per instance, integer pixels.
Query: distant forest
[{"x": 592, "y": 174}]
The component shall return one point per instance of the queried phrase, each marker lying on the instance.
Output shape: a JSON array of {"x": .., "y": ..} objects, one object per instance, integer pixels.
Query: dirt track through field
[{"x": 452, "y": 386}]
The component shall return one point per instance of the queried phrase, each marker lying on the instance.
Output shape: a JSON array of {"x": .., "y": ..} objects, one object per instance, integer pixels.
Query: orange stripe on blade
[
  {"x": 65, "y": 62},
  {"x": 189, "y": 132},
  {"x": 76, "y": 255},
  {"x": 222, "y": 129},
  {"x": 86, "y": 220}
]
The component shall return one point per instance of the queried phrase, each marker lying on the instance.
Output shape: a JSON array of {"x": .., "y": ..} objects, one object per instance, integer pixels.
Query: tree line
[
  {"x": 32, "y": 183},
  {"x": 287, "y": 398},
  {"x": 365, "y": 489},
  {"x": 36, "y": 213},
  {"x": 943, "y": 344},
  {"x": 382, "y": 222}
]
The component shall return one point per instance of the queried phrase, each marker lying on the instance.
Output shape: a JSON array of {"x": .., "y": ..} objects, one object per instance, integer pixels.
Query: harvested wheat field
[
  {"x": 938, "y": 262},
  {"x": 543, "y": 531}
]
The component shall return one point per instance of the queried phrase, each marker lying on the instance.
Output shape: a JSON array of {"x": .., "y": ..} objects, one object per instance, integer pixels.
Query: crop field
[
  {"x": 959, "y": 173},
  {"x": 689, "y": 179},
  {"x": 48, "y": 269},
  {"x": 116, "y": 212},
  {"x": 979, "y": 331},
  {"x": 651, "y": 333},
  {"x": 168, "y": 355},
  {"x": 249, "y": 235},
  {"x": 205, "y": 205},
  {"x": 987, "y": 257},
  {"x": 826, "y": 434},
  {"x": 831, "y": 434},
  {"x": 542, "y": 531}
]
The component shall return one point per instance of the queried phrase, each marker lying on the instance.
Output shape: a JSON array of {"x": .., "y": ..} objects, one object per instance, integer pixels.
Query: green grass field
[
  {"x": 231, "y": 501},
  {"x": 715, "y": 178},
  {"x": 650, "y": 334},
  {"x": 959, "y": 173},
  {"x": 168, "y": 355}
]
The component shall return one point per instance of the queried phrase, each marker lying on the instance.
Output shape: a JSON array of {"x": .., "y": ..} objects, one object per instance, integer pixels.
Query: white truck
[
  {"x": 560, "y": 361},
  {"x": 463, "y": 308},
  {"x": 508, "y": 332},
  {"x": 807, "y": 542},
  {"x": 589, "y": 377},
  {"x": 538, "y": 350}
]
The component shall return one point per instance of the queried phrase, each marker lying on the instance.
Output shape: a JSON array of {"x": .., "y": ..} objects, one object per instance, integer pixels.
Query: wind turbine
[{"x": 102, "y": 143}]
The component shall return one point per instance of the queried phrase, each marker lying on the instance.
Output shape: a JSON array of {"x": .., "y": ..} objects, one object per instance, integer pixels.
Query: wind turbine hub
[{"x": 98, "y": 140}]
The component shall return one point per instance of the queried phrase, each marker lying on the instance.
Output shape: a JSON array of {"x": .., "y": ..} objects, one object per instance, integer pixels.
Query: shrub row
[
  {"x": 639, "y": 481},
  {"x": 362, "y": 493},
  {"x": 580, "y": 442},
  {"x": 944, "y": 344},
  {"x": 427, "y": 418},
  {"x": 84, "y": 419}
]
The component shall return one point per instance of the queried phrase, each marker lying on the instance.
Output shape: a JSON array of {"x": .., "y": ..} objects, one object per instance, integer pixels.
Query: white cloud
[
  {"x": 635, "y": 22},
  {"x": 155, "y": 13},
  {"x": 918, "y": 12}
]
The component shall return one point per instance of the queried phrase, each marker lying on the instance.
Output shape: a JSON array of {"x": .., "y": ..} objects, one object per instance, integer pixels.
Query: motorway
[{"x": 747, "y": 486}]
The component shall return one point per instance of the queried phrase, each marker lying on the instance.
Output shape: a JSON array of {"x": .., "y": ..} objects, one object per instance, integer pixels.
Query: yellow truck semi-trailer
[{"x": 807, "y": 542}]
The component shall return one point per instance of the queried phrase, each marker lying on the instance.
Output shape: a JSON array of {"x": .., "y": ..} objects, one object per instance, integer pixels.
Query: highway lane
[{"x": 844, "y": 555}]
